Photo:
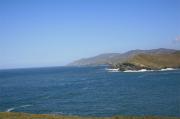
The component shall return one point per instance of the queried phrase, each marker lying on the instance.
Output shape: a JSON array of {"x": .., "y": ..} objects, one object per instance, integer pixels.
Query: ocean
[{"x": 90, "y": 91}]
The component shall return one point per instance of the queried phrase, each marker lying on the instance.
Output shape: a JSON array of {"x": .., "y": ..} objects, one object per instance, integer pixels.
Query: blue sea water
[{"x": 90, "y": 91}]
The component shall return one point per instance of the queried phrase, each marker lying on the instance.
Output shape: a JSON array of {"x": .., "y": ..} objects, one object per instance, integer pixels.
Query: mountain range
[{"x": 113, "y": 59}]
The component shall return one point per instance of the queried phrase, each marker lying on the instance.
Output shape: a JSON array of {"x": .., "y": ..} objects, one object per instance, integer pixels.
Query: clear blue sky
[{"x": 56, "y": 32}]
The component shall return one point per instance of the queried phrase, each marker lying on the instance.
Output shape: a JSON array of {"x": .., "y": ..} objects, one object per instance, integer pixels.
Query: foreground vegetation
[{"x": 12, "y": 115}]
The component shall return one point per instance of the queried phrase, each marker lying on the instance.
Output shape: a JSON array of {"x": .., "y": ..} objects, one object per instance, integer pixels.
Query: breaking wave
[
  {"x": 13, "y": 108},
  {"x": 142, "y": 70}
]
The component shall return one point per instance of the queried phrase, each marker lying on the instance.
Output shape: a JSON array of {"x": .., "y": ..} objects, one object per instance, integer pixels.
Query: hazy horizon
[
  {"x": 67, "y": 64},
  {"x": 41, "y": 33}
]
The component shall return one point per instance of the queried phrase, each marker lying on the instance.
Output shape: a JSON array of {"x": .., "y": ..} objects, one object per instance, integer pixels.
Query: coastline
[
  {"x": 21, "y": 115},
  {"x": 141, "y": 70}
]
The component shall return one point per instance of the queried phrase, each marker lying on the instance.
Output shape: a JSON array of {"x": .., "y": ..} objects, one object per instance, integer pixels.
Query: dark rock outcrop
[{"x": 129, "y": 66}]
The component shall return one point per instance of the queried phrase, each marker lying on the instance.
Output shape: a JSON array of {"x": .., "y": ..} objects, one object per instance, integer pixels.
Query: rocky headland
[{"x": 155, "y": 59}]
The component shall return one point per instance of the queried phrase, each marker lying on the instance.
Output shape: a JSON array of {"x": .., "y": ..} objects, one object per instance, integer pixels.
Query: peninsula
[{"x": 155, "y": 59}]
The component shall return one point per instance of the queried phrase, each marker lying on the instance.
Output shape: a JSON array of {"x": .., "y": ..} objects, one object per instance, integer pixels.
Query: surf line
[{"x": 13, "y": 108}]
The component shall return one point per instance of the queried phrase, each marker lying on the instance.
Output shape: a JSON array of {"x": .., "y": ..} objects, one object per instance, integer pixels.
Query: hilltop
[
  {"x": 150, "y": 62},
  {"x": 116, "y": 58}
]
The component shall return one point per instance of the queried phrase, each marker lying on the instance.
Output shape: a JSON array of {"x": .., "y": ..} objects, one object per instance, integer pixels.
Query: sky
[{"x": 37, "y": 33}]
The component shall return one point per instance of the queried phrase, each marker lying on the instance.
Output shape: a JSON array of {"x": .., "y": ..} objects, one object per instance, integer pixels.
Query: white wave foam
[
  {"x": 23, "y": 106},
  {"x": 10, "y": 109},
  {"x": 13, "y": 108},
  {"x": 167, "y": 69},
  {"x": 145, "y": 70},
  {"x": 142, "y": 70},
  {"x": 112, "y": 70}
]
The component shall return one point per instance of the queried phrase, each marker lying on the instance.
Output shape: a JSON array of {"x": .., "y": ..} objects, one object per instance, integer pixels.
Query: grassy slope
[
  {"x": 11, "y": 115},
  {"x": 157, "y": 60}
]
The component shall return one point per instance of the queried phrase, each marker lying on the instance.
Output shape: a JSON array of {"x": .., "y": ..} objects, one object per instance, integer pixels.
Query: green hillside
[
  {"x": 150, "y": 62},
  {"x": 157, "y": 60},
  {"x": 115, "y": 58}
]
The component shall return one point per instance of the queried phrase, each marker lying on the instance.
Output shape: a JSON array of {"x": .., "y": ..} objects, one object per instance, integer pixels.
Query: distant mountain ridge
[{"x": 116, "y": 58}]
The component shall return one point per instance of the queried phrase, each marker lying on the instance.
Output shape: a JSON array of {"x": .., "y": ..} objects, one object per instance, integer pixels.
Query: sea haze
[{"x": 90, "y": 91}]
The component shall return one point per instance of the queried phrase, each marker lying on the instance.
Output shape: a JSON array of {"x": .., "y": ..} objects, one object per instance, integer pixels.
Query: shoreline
[
  {"x": 22, "y": 115},
  {"x": 141, "y": 70}
]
